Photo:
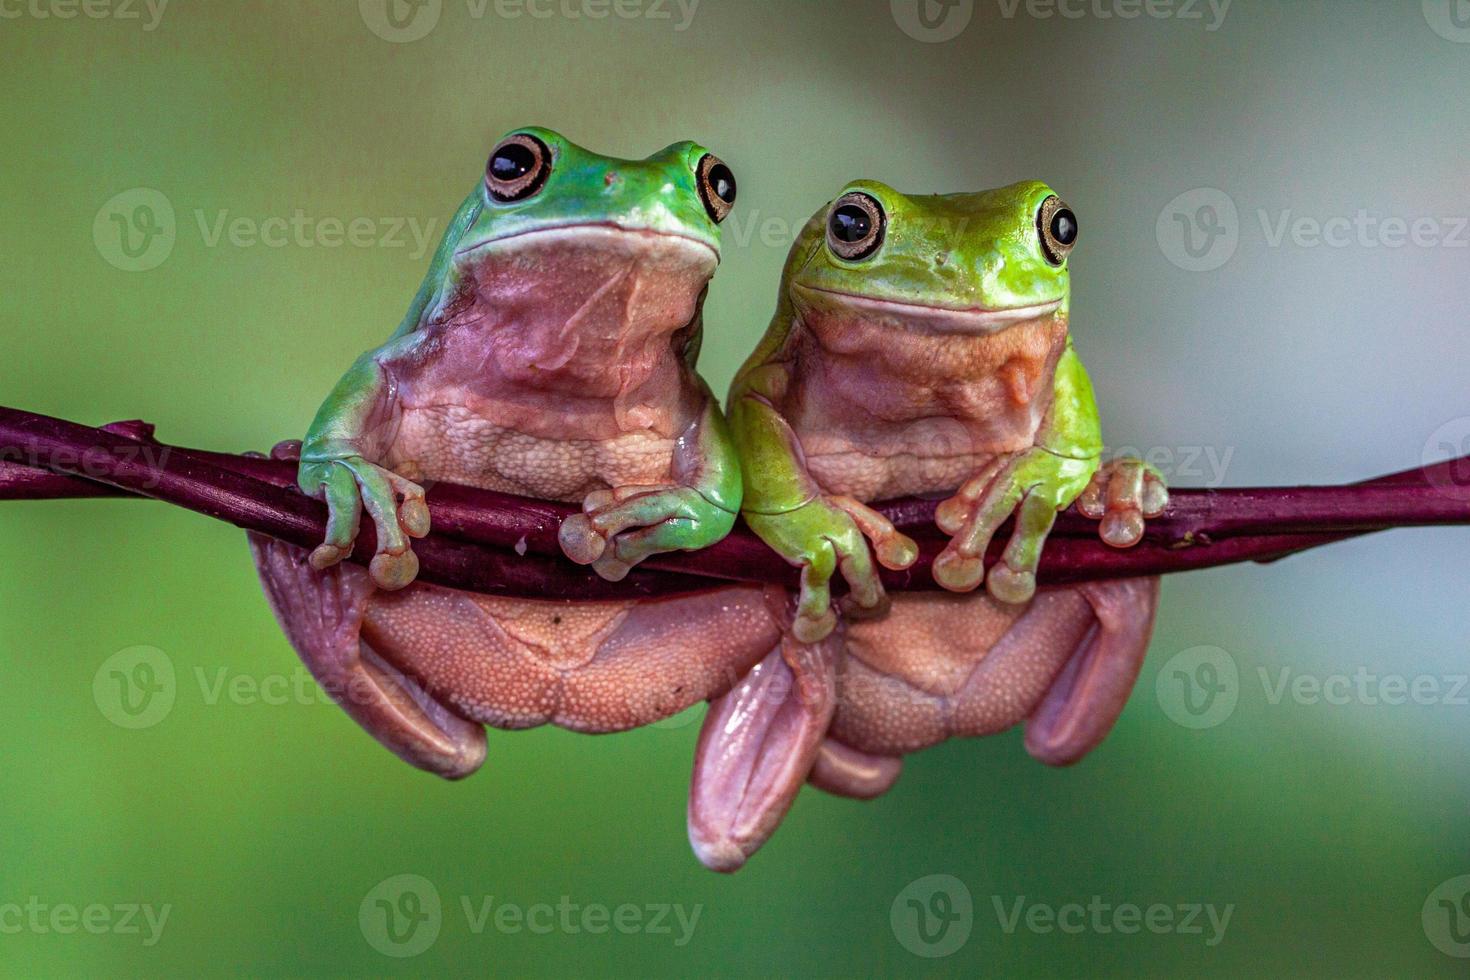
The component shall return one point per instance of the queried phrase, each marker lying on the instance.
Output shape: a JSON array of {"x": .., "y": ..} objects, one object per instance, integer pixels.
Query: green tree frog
[
  {"x": 550, "y": 352},
  {"x": 920, "y": 346}
]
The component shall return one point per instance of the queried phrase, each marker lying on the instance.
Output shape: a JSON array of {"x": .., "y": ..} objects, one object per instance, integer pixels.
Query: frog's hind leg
[
  {"x": 321, "y": 613},
  {"x": 1085, "y": 700},
  {"x": 756, "y": 749}
]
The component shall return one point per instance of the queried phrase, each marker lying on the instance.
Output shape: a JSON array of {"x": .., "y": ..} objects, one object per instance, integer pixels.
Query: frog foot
[
  {"x": 1122, "y": 493},
  {"x": 351, "y": 483},
  {"x": 1033, "y": 485},
  {"x": 619, "y": 528},
  {"x": 827, "y": 534},
  {"x": 758, "y": 745}
]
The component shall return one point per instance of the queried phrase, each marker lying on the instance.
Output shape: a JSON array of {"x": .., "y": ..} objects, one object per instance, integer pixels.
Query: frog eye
[
  {"x": 855, "y": 226},
  {"x": 716, "y": 186},
  {"x": 1057, "y": 226},
  {"x": 517, "y": 168}
]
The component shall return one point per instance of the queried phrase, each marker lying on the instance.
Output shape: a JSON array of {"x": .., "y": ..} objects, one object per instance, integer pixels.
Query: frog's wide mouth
[
  {"x": 590, "y": 231},
  {"x": 937, "y": 317}
]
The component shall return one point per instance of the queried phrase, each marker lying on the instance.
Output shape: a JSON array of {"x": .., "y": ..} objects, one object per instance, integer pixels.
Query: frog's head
[
  {"x": 569, "y": 240},
  {"x": 966, "y": 264}
]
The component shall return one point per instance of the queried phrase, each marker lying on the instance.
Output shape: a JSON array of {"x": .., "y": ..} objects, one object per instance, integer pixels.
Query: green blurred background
[{"x": 264, "y": 819}]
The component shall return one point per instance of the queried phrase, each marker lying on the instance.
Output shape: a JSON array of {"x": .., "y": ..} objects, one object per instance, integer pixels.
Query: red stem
[{"x": 492, "y": 542}]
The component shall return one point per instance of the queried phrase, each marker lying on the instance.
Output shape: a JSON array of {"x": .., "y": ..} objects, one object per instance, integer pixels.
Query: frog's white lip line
[
  {"x": 979, "y": 316},
  {"x": 581, "y": 227}
]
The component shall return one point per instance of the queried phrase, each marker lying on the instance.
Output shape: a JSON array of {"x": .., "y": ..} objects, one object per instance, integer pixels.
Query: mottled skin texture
[
  {"x": 939, "y": 364},
  {"x": 550, "y": 352}
]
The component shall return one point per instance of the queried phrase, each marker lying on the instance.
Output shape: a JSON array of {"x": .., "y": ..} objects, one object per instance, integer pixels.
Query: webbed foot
[
  {"x": 756, "y": 749},
  {"x": 1034, "y": 485},
  {"x": 396, "y": 505},
  {"x": 827, "y": 534},
  {"x": 619, "y": 528},
  {"x": 1121, "y": 494}
]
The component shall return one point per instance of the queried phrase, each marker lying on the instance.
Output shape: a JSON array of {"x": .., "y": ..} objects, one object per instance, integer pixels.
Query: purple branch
[{"x": 497, "y": 543}]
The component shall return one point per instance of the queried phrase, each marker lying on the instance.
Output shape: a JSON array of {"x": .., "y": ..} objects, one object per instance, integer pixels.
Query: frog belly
[
  {"x": 452, "y": 443},
  {"x": 585, "y": 666}
]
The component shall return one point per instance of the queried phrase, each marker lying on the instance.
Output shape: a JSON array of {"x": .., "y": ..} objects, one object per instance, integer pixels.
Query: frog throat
[{"x": 576, "y": 295}]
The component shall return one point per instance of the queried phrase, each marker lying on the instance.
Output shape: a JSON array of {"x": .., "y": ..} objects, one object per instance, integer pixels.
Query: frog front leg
[
  {"x": 1034, "y": 484},
  {"x": 819, "y": 533},
  {"x": 351, "y": 432},
  {"x": 620, "y": 527}
]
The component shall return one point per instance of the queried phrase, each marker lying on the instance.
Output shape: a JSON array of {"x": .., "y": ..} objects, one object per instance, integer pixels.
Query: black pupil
[
  {"x": 1064, "y": 226},
  {"x": 512, "y": 161},
  {"x": 851, "y": 224},
  {"x": 722, "y": 182}
]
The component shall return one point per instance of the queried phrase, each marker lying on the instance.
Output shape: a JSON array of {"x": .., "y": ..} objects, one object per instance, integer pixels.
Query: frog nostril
[{"x": 611, "y": 179}]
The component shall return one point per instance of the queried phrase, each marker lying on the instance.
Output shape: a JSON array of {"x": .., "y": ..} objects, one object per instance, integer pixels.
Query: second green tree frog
[{"x": 920, "y": 346}]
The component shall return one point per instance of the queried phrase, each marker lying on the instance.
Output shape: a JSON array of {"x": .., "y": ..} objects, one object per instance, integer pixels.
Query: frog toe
[
  {"x": 1155, "y": 493},
  {"x": 344, "y": 514},
  {"x": 958, "y": 572},
  {"x": 1010, "y": 585},
  {"x": 612, "y": 568},
  {"x": 324, "y": 556},
  {"x": 1121, "y": 528},
  {"x": 815, "y": 626},
  {"x": 413, "y": 515},
  {"x": 580, "y": 541},
  {"x": 815, "y": 619},
  {"x": 1013, "y": 578},
  {"x": 394, "y": 571},
  {"x": 975, "y": 512},
  {"x": 891, "y": 547},
  {"x": 1122, "y": 494}
]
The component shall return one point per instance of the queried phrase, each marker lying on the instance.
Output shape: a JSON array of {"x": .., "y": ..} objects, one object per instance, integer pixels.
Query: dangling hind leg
[
  {"x": 756, "y": 749},
  {"x": 321, "y": 613},
  {"x": 1084, "y": 702}
]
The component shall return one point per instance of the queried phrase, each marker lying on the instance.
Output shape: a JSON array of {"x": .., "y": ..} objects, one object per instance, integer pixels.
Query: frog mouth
[
  {"x": 933, "y": 317},
  {"x": 583, "y": 232}
]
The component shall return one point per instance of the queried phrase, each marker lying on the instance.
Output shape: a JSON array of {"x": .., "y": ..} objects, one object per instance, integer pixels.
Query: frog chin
[
  {"x": 591, "y": 306},
  {"x": 817, "y": 304}
]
